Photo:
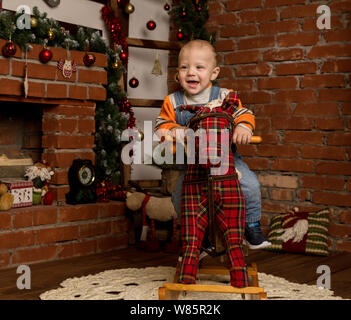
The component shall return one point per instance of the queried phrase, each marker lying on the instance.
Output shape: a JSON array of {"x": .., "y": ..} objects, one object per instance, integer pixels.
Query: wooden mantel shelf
[{"x": 154, "y": 44}]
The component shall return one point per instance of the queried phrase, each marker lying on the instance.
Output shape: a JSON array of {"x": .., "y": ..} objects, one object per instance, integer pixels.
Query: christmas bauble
[
  {"x": 33, "y": 22},
  {"x": 123, "y": 56},
  {"x": 166, "y": 7},
  {"x": 116, "y": 64},
  {"x": 180, "y": 35},
  {"x": 45, "y": 55},
  {"x": 133, "y": 82},
  {"x": 151, "y": 25},
  {"x": 48, "y": 198},
  {"x": 51, "y": 34},
  {"x": 9, "y": 49},
  {"x": 89, "y": 59},
  {"x": 183, "y": 13},
  {"x": 129, "y": 8}
]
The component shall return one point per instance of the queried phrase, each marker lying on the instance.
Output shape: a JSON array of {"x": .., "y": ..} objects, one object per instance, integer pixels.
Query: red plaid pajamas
[{"x": 229, "y": 207}]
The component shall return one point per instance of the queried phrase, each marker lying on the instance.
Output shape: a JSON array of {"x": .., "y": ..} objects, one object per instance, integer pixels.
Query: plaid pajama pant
[{"x": 229, "y": 208}]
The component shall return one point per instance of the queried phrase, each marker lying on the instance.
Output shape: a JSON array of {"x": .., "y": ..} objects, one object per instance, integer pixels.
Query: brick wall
[
  {"x": 296, "y": 79},
  {"x": 67, "y": 123}
]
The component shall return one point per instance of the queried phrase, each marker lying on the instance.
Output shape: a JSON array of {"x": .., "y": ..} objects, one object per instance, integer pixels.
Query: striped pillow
[{"x": 300, "y": 232}]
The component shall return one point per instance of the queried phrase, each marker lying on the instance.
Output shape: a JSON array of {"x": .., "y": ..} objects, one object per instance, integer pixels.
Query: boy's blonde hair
[{"x": 199, "y": 44}]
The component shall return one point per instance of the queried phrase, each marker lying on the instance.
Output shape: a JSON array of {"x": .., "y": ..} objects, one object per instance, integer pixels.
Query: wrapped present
[{"x": 22, "y": 191}]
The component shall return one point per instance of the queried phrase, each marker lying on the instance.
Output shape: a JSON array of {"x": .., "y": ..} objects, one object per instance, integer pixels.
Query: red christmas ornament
[
  {"x": 133, "y": 82},
  {"x": 151, "y": 25},
  {"x": 89, "y": 59},
  {"x": 166, "y": 7},
  {"x": 180, "y": 35},
  {"x": 45, "y": 55},
  {"x": 48, "y": 198},
  {"x": 9, "y": 49},
  {"x": 123, "y": 56},
  {"x": 183, "y": 13}
]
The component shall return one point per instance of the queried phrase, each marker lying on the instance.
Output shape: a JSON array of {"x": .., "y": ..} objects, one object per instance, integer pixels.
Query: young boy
[{"x": 197, "y": 68}]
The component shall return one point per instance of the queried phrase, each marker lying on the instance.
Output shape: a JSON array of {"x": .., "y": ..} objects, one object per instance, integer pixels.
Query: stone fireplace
[{"x": 54, "y": 123}]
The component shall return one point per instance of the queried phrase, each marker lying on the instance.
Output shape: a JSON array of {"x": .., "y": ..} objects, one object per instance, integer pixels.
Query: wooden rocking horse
[{"x": 206, "y": 194}]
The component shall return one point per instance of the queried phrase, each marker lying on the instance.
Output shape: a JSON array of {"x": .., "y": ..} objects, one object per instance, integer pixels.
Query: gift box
[{"x": 22, "y": 191}]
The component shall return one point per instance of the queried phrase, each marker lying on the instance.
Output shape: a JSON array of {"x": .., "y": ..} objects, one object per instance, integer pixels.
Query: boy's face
[{"x": 196, "y": 67}]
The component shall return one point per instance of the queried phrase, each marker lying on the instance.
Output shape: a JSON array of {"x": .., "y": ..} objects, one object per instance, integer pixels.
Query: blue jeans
[{"x": 249, "y": 185}]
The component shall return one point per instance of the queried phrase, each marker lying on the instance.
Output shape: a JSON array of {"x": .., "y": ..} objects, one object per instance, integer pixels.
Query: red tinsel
[{"x": 115, "y": 28}]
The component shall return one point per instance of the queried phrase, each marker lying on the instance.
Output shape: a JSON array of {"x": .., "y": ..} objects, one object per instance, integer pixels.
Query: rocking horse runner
[{"x": 209, "y": 199}]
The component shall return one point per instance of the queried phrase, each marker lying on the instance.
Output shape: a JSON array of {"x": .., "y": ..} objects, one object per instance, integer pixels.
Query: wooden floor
[{"x": 293, "y": 267}]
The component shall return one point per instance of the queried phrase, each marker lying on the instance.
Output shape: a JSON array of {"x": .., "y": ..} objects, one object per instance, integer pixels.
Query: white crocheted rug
[{"x": 143, "y": 284}]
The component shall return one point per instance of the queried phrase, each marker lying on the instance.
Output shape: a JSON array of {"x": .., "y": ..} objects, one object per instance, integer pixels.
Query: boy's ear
[{"x": 215, "y": 73}]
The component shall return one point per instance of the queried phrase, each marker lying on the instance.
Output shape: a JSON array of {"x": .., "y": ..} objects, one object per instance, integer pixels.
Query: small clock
[{"x": 81, "y": 179}]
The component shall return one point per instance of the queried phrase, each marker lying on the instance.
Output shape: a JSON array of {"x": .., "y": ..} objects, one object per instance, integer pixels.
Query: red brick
[
  {"x": 11, "y": 87},
  {"x": 46, "y": 215},
  {"x": 279, "y": 26},
  {"x": 22, "y": 218},
  {"x": 59, "y": 193},
  {"x": 258, "y": 15},
  {"x": 330, "y": 51},
  {"x": 97, "y": 93},
  {"x": 295, "y": 123},
  {"x": 338, "y": 35},
  {"x": 326, "y": 80},
  {"x": 310, "y": 24},
  {"x": 56, "y": 90},
  {"x": 222, "y": 19},
  {"x": 86, "y": 125},
  {"x": 298, "y": 39},
  {"x": 317, "y": 109},
  {"x": 67, "y": 141},
  {"x": 70, "y": 110},
  {"x": 339, "y": 230},
  {"x": 4, "y": 66},
  {"x": 225, "y": 72},
  {"x": 283, "y": 54},
  {"x": 57, "y": 234},
  {"x": 255, "y": 97},
  {"x": 17, "y": 239},
  {"x": 341, "y": 65},
  {"x": 78, "y": 212},
  {"x": 279, "y": 181},
  {"x": 259, "y": 69},
  {"x": 4, "y": 259},
  {"x": 60, "y": 177},
  {"x": 36, "y": 89},
  {"x": 303, "y": 195},
  {"x": 94, "y": 229},
  {"x": 329, "y": 124},
  {"x": 241, "y": 57},
  {"x": 273, "y": 207},
  {"x": 77, "y": 249},
  {"x": 345, "y": 216},
  {"x": 343, "y": 246},
  {"x": 333, "y": 168},
  {"x": 281, "y": 195},
  {"x": 215, "y": 7},
  {"x": 322, "y": 183},
  {"x": 277, "y": 3},
  {"x": 60, "y": 125},
  {"x": 41, "y": 71},
  {"x": 295, "y": 68},
  {"x": 307, "y": 10},
  {"x": 233, "y": 5},
  {"x": 257, "y": 163},
  {"x": 339, "y": 138},
  {"x": 92, "y": 76},
  {"x": 288, "y": 151},
  {"x": 293, "y": 165},
  {"x": 114, "y": 242},
  {"x": 257, "y": 42},
  {"x": 306, "y": 95},
  {"x": 65, "y": 159},
  {"x": 335, "y": 94},
  {"x": 77, "y": 92},
  {"x": 340, "y": 6},
  {"x": 270, "y": 110},
  {"x": 322, "y": 152},
  {"x": 112, "y": 209},
  {"x": 277, "y": 83},
  {"x": 225, "y": 45},
  {"x": 237, "y": 84},
  {"x": 34, "y": 254},
  {"x": 5, "y": 221},
  {"x": 303, "y": 137},
  {"x": 238, "y": 30},
  {"x": 119, "y": 226}
]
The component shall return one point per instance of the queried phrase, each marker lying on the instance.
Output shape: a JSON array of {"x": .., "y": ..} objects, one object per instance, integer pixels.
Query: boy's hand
[{"x": 241, "y": 135}]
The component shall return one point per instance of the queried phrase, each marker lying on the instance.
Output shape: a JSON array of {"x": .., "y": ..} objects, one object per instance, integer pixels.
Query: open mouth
[{"x": 192, "y": 83}]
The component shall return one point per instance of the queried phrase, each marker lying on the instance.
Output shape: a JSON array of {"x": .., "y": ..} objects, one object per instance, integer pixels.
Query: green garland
[
  {"x": 190, "y": 16},
  {"x": 110, "y": 120}
]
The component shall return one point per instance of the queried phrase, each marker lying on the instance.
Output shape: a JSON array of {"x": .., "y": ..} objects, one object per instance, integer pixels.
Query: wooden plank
[
  {"x": 150, "y": 103},
  {"x": 154, "y": 44},
  {"x": 223, "y": 271},
  {"x": 211, "y": 288}
]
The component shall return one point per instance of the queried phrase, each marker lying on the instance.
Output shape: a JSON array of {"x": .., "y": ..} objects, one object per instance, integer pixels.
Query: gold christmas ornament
[
  {"x": 116, "y": 64},
  {"x": 156, "y": 70},
  {"x": 33, "y": 22},
  {"x": 129, "y": 8},
  {"x": 51, "y": 34}
]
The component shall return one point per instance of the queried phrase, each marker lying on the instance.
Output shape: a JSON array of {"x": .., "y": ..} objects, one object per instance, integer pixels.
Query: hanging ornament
[
  {"x": 167, "y": 7},
  {"x": 123, "y": 56},
  {"x": 180, "y": 35},
  {"x": 67, "y": 66},
  {"x": 9, "y": 49},
  {"x": 183, "y": 13},
  {"x": 116, "y": 64},
  {"x": 198, "y": 8},
  {"x": 129, "y": 8},
  {"x": 45, "y": 55},
  {"x": 89, "y": 59},
  {"x": 51, "y": 34},
  {"x": 119, "y": 2},
  {"x": 151, "y": 25},
  {"x": 156, "y": 70},
  {"x": 33, "y": 22},
  {"x": 133, "y": 82}
]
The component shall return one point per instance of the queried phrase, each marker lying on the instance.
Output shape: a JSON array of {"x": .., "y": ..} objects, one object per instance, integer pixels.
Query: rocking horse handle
[{"x": 256, "y": 139}]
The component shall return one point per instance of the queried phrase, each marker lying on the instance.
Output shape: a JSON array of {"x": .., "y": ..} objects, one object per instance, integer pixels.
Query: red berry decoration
[
  {"x": 183, "y": 13},
  {"x": 151, "y": 25},
  {"x": 180, "y": 35},
  {"x": 166, "y": 7},
  {"x": 123, "y": 56},
  {"x": 9, "y": 49},
  {"x": 45, "y": 55},
  {"x": 133, "y": 82},
  {"x": 89, "y": 59}
]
